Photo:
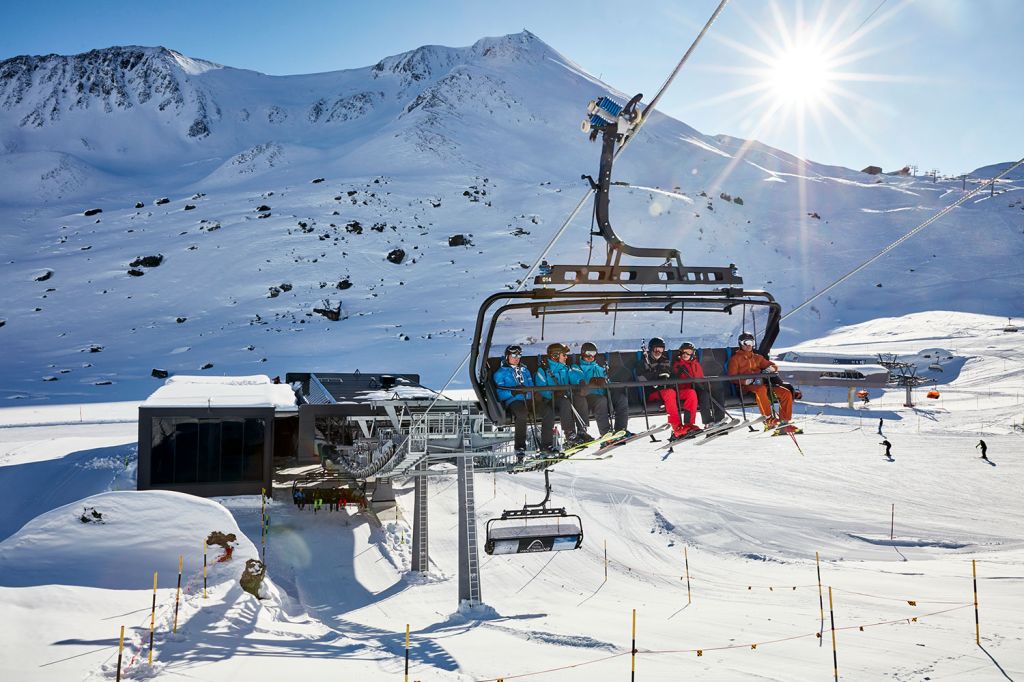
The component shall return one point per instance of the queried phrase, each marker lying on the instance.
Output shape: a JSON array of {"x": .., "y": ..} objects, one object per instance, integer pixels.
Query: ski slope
[{"x": 745, "y": 515}]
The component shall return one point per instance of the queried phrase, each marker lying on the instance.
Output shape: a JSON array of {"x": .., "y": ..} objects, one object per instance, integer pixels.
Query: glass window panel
[
  {"x": 231, "y": 445},
  {"x": 162, "y": 451},
  {"x": 209, "y": 450},
  {"x": 186, "y": 451},
  {"x": 254, "y": 438}
]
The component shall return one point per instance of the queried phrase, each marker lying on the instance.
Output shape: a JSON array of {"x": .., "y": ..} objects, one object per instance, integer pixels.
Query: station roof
[{"x": 209, "y": 391}]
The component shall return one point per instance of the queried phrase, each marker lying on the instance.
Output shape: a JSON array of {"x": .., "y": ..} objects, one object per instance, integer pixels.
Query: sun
[{"x": 800, "y": 76}]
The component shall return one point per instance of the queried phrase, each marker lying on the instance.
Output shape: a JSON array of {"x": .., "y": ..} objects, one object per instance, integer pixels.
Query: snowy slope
[
  {"x": 479, "y": 141},
  {"x": 896, "y": 541}
]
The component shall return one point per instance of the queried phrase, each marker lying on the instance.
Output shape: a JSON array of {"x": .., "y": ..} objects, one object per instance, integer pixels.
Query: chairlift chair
[
  {"x": 516, "y": 531},
  {"x": 613, "y": 291}
]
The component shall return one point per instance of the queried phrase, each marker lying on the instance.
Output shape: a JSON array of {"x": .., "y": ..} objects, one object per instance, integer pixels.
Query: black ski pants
[
  {"x": 520, "y": 414},
  {"x": 563, "y": 404},
  {"x": 710, "y": 397},
  {"x": 619, "y": 402}
]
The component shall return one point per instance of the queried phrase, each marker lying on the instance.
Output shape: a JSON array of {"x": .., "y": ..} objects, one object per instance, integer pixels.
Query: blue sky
[{"x": 934, "y": 83}]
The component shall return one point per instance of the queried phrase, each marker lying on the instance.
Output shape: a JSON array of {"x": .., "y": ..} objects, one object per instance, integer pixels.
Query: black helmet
[
  {"x": 588, "y": 347},
  {"x": 514, "y": 349},
  {"x": 686, "y": 345},
  {"x": 656, "y": 342},
  {"x": 746, "y": 336}
]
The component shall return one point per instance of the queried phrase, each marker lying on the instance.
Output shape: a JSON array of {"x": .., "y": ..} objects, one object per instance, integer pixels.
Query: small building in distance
[{"x": 212, "y": 436}]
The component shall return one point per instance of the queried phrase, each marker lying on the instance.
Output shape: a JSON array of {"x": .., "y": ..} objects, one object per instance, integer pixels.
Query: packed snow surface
[{"x": 714, "y": 546}]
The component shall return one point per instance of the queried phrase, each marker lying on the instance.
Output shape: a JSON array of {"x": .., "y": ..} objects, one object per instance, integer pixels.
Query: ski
[
  {"x": 570, "y": 452},
  {"x": 790, "y": 430},
  {"x": 667, "y": 445},
  {"x": 735, "y": 427},
  {"x": 611, "y": 445}
]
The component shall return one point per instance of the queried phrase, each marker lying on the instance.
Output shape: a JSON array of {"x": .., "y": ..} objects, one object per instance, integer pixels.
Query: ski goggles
[{"x": 590, "y": 354}]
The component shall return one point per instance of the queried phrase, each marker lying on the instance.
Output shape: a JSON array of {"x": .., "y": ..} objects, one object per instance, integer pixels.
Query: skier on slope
[
  {"x": 888, "y": 448},
  {"x": 984, "y": 449},
  {"x": 746, "y": 361},
  {"x": 708, "y": 396},
  {"x": 510, "y": 375}
]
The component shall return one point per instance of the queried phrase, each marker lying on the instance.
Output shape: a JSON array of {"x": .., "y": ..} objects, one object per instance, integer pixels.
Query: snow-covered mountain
[{"x": 287, "y": 194}]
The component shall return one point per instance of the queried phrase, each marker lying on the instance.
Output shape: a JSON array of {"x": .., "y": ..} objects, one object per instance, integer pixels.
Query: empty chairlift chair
[{"x": 534, "y": 528}]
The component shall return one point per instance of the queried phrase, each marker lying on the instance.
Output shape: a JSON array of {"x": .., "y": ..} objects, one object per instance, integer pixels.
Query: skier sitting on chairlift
[
  {"x": 708, "y": 396},
  {"x": 746, "y": 361},
  {"x": 596, "y": 377},
  {"x": 656, "y": 366},
  {"x": 554, "y": 370},
  {"x": 510, "y": 375}
]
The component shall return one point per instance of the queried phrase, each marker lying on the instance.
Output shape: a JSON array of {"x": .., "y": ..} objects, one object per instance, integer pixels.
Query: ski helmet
[
  {"x": 745, "y": 337},
  {"x": 588, "y": 347},
  {"x": 556, "y": 349},
  {"x": 656, "y": 342},
  {"x": 686, "y": 345},
  {"x": 513, "y": 350}
]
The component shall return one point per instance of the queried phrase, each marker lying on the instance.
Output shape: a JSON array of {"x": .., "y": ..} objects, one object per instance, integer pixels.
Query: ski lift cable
[
  {"x": 586, "y": 196},
  {"x": 905, "y": 237},
  {"x": 675, "y": 72}
]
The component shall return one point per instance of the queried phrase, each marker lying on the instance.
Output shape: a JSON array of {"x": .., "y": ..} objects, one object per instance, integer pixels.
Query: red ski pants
[{"x": 687, "y": 396}]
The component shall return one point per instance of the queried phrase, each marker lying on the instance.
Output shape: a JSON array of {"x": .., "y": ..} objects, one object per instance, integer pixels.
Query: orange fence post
[
  {"x": 632, "y": 674},
  {"x": 152, "y": 620}
]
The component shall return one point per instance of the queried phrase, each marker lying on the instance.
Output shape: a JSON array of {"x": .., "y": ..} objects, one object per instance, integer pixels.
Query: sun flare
[{"x": 800, "y": 77}]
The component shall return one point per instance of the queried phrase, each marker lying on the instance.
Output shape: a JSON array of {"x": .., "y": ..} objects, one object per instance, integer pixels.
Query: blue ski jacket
[
  {"x": 507, "y": 377},
  {"x": 557, "y": 374},
  {"x": 591, "y": 370}
]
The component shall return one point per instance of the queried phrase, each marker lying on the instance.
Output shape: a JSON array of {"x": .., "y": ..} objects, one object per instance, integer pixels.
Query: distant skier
[
  {"x": 984, "y": 449},
  {"x": 880, "y": 420},
  {"x": 888, "y": 448}
]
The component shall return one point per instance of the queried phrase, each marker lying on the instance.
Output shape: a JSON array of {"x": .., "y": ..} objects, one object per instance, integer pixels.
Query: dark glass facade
[{"x": 189, "y": 450}]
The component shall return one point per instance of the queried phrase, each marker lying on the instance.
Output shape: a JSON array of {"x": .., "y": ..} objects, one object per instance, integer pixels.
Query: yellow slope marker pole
[
  {"x": 177, "y": 595},
  {"x": 120, "y": 652},
  {"x": 832, "y": 617},
  {"x": 977, "y": 623},
  {"x": 406, "y": 652},
  {"x": 152, "y": 620}
]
